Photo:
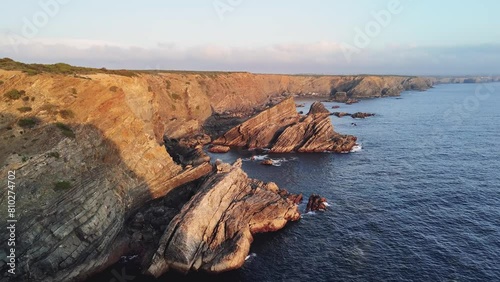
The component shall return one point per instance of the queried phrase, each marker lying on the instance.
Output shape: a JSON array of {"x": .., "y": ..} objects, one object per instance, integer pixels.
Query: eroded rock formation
[
  {"x": 214, "y": 229},
  {"x": 88, "y": 151},
  {"x": 316, "y": 203},
  {"x": 283, "y": 130}
]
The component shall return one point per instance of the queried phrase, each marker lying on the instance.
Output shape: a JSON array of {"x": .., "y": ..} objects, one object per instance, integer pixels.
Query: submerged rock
[
  {"x": 361, "y": 115},
  {"x": 267, "y": 162},
  {"x": 214, "y": 229}
]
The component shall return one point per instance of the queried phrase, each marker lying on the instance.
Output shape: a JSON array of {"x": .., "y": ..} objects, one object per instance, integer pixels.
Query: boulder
[
  {"x": 219, "y": 149},
  {"x": 316, "y": 203},
  {"x": 267, "y": 162},
  {"x": 361, "y": 115}
]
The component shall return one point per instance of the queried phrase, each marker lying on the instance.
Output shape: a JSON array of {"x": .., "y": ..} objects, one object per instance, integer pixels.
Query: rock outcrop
[
  {"x": 282, "y": 130},
  {"x": 359, "y": 115},
  {"x": 316, "y": 203},
  {"x": 214, "y": 229},
  {"x": 219, "y": 149}
]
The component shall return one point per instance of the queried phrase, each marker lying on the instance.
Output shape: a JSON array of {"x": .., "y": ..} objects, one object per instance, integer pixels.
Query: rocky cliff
[
  {"x": 93, "y": 148},
  {"x": 281, "y": 129},
  {"x": 217, "y": 237}
]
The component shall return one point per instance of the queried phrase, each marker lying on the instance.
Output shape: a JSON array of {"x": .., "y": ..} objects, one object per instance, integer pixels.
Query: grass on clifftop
[
  {"x": 62, "y": 185},
  {"x": 65, "y": 130},
  {"x": 59, "y": 68}
]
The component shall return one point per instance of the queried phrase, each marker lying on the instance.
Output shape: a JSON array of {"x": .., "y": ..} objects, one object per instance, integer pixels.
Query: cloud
[{"x": 317, "y": 57}]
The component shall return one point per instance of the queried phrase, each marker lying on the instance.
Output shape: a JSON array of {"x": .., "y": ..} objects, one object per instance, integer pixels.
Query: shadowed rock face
[
  {"x": 214, "y": 229},
  {"x": 283, "y": 130}
]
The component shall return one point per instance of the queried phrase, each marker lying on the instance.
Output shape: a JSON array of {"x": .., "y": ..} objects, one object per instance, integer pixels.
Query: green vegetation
[
  {"x": 113, "y": 88},
  {"x": 175, "y": 96},
  {"x": 25, "y": 159},
  {"x": 66, "y": 114},
  {"x": 168, "y": 84},
  {"x": 24, "y": 109},
  {"x": 27, "y": 122},
  {"x": 53, "y": 155},
  {"x": 65, "y": 130},
  {"x": 59, "y": 68},
  {"x": 62, "y": 185},
  {"x": 14, "y": 94},
  {"x": 50, "y": 108}
]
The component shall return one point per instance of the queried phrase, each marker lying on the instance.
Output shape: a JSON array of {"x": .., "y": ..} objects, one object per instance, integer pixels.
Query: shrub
[
  {"x": 113, "y": 88},
  {"x": 1, "y": 82},
  {"x": 14, "y": 94},
  {"x": 62, "y": 185},
  {"x": 50, "y": 108},
  {"x": 32, "y": 99},
  {"x": 27, "y": 122},
  {"x": 53, "y": 155},
  {"x": 24, "y": 109},
  {"x": 73, "y": 91},
  {"x": 65, "y": 130},
  {"x": 168, "y": 84},
  {"x": 26, "y": 98},
  {"x": 65, "y": 114},
  {"x": 176, "y": 96}
]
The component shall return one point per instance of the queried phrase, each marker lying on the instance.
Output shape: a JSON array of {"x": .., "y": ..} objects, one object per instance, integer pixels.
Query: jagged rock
[
  {"x": 341, "y": 114},
  {"x": 300, "y": 105},
  {"x": 283, "y": 130},
  {"x": 361, "y": 115},
  {"x": 216, "y": 237},
  {"x": 335, "y": 107},
  {"x": 318, "y": 108},
  {"x": 316, "y": 203},
  {"x": 260, "y": 130},
  {"x": 219, "y": 149}
]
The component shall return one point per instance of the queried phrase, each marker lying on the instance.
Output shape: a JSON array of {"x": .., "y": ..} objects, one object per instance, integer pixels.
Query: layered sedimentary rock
[
  {"x": 354, "y": 87},
  {"x": 282, "y": 129},
  {"x": 89, "y": 151},
  {"x": 214, "y": 229}
]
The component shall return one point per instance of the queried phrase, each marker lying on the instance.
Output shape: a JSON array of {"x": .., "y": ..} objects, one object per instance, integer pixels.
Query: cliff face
[
  {"x": 88, "y": 152},
  {"x": 281, "y": 129}
]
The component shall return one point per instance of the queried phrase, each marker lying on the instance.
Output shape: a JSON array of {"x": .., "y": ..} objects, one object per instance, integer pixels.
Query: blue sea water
[{"x": 419, "y": 202}]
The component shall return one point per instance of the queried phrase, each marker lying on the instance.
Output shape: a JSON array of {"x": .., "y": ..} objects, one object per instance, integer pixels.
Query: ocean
[{"x": 419, "y": 202}]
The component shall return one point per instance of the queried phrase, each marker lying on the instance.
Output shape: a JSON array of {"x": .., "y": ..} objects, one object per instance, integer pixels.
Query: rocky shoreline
[{"x": 111, "y": 163}]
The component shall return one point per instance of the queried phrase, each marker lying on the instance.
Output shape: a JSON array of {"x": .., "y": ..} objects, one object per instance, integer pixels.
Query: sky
[{"x": 417, "y": 37}]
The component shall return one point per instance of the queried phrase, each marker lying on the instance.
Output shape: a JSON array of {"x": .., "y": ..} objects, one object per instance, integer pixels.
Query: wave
[
  {"x": 251, "y": 255},
  {"x": 356, "y": 148},
  {"x": 276, "y": 162}
]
